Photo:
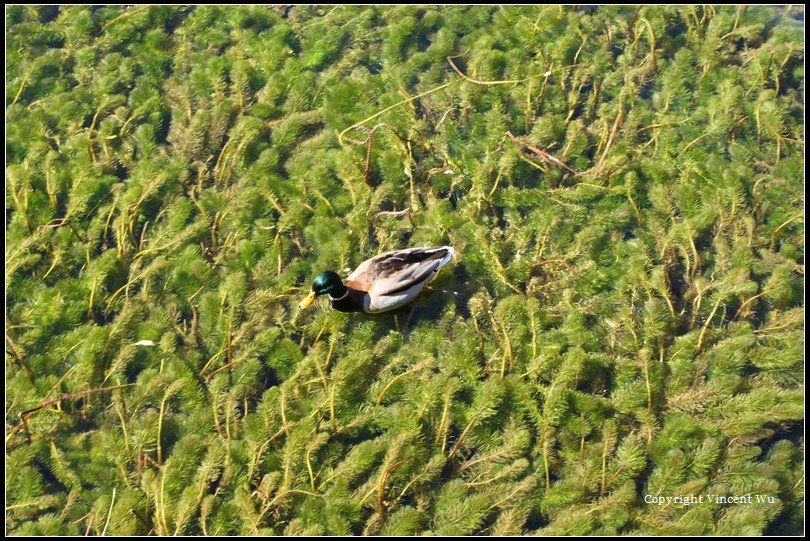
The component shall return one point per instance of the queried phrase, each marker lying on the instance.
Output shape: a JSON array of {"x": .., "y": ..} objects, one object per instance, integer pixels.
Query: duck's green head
[{"x": 325, "y": 283}]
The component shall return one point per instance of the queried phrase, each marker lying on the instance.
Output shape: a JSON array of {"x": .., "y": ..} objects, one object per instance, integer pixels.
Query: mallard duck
[{"x": 382, "y": 283}]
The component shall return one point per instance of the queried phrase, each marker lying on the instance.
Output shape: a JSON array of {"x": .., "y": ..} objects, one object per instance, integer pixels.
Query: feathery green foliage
[{"x": 624, "y": 316}]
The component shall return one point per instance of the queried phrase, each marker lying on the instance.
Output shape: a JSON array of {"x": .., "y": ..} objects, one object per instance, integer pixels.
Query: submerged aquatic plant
[{"x": 624, "y": 190}]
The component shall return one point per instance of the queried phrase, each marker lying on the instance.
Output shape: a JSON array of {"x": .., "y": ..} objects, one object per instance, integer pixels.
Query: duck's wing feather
[{"x": 395, "y": 272}]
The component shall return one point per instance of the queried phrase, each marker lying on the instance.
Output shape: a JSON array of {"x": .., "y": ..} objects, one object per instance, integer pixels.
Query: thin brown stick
[
  {"x": 16, "y": 354},
  {"x": 370, "y": 132},
  {"x": 543, "y": 154},
  {"x": 56, "y": 222},
  {"x": 652, "y": 43},
  {"x": 124, "y": 15},
  {"x": 73, "y": 396},
  {"x": 25, "y": 415},
  {"x": 463, "y": 435},
  {"x": 195, "y": 294},
  {"x": 22, "y": 85},
  {"x": 384, "y": 481},
  {"x": 610, "y": 139},
  {"x": 90, "y": 524},
  {"x": 633, "y": 21},
  {"x": 378, "y": 113},
  {"x": 706, "y": 325},
  {"x": 395, "y": 379},
  {"x": 488, "y": 83},
  {"x": 746, "y": 303},
  {"x": 367, "y": 172},
  {"x": 396, "y": 213},
  {"x": 221, "y": 368}
]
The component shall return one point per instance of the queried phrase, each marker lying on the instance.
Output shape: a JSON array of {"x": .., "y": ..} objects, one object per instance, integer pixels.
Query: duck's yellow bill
[{"x": 309, "y": 300}]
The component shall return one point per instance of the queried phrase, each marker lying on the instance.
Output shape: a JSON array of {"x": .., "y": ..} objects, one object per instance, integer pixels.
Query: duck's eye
[{"x": 320, "y": 289}]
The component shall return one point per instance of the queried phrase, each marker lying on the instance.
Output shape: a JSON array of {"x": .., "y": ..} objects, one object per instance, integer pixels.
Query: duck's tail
[{"x": 446, "y": 259}]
